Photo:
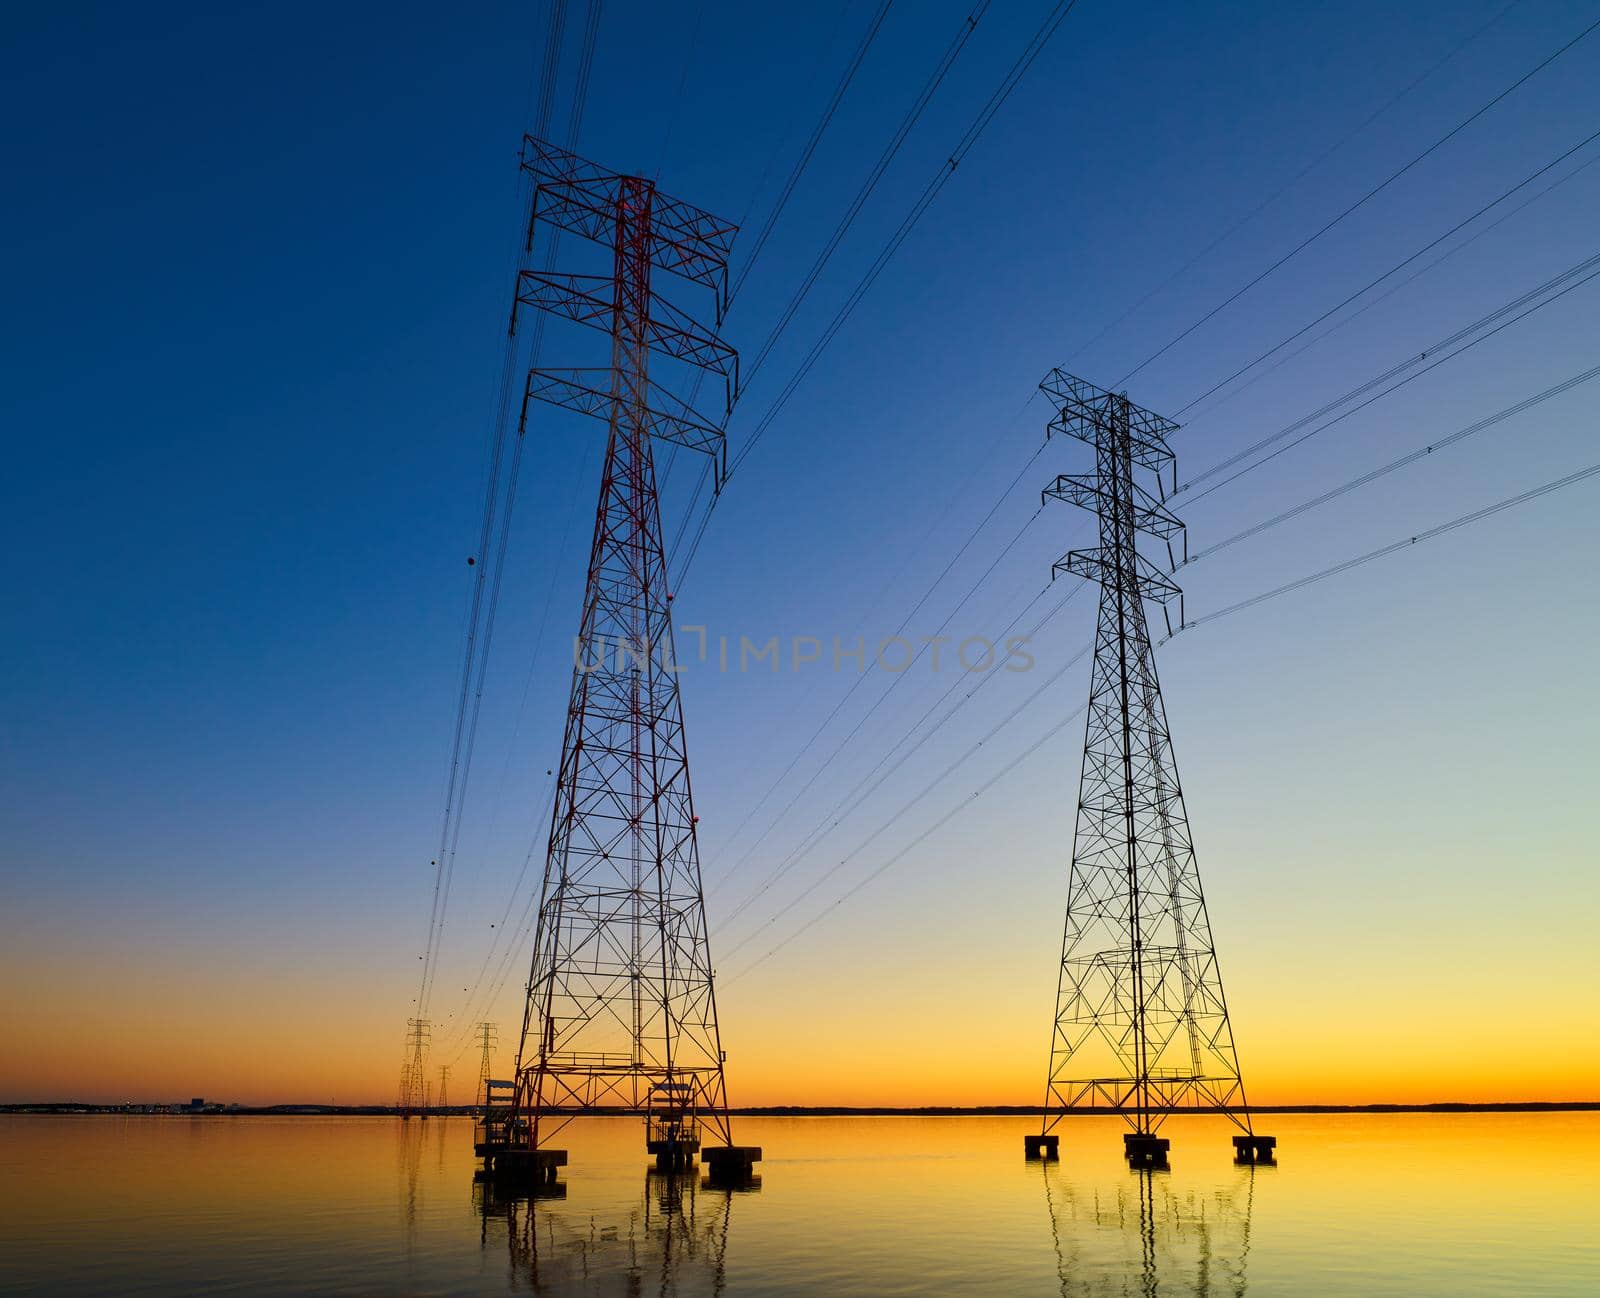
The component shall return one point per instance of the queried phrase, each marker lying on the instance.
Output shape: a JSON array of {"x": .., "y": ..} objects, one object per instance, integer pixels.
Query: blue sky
[{"x": 259, "y": 275}]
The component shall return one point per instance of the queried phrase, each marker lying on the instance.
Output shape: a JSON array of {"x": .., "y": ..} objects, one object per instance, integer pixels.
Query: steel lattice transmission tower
[
  {"x": 621, "y": 1012},
  {"x": 1141, "y": 1022},
  {"x": 412, "y": 1083},
  {"x": 443, "y": 1099},
  {"x": 488, "y": 1034}
]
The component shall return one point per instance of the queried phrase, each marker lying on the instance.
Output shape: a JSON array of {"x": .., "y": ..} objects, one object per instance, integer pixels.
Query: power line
[
  {"x": 909, "y": 804},
  {"x": 475, "y": 666},
  {"x": 1293, "y": 181},
  {"x": 795, "y": 174},
  {"x": 860, "y": 679},
  {"x": 1421, "y": 453},
  {"x": 1522, "y": 300},
  {"x": 510, "y": 934},
  {"x": 1400, "y": 265},
  {"x": 936, "y": 520},
  {"x": 1591, "y": 265},
  {"x": 812, "y": 141},
  {"x": 1510, "y": 502},
  {"x": 882, "y": 698},
  {"x": 964, "y": 145},
  {"x": 683, "y": 80},
  {"x": 547, "y": 793},
  {"x": 968, "y": 25},
  {"x": 1395, "y": 288},
  {"x": 455, "y": 781},
  {"x": 1405, "y": 543},
  {"x": 872, "y": 781},
  {"x": 573, "y": 499},
  {"x": 1360, "y": 202},
  {"x": 790, "y": 861},
  {"x": 793, "y": 180}
]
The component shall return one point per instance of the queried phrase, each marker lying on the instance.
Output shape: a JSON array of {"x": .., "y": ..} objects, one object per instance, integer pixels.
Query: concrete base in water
[
  {"x": 1255, "y": 1149},
  {"x": 1145, "y": 1151},
  {"x": 1045, "y": 1147},
  {"x": 530, "y": 1166},
  {"x": 673, "y": 1156},
  {"x": 730, "y": 1164}
]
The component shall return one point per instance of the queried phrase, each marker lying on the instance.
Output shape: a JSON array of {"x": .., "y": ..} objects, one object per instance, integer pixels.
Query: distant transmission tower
[
  {"x": 1141, "y": 1023},
  {"x": 444, "y": 1087},
  {"x": 413, "y": 1086},
  {"x": 489, "y": 1035},
  {"x": 621, "y": 1013}
]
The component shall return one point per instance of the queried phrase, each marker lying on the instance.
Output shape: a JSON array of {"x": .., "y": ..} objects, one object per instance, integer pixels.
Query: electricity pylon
[
  {"x": 412, "y": 1081},
  {"x": 488, "y": 1033},
  {"x": 443, "y": 1101},
  {"x": 621, "y": 1011},
  {"x": 1141, "y": 1023}
]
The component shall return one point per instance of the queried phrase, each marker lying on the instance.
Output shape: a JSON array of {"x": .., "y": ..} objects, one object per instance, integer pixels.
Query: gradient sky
[{"x": 258, "y": 265}]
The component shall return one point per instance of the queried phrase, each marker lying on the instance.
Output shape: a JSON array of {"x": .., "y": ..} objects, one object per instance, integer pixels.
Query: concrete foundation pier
[
  {"x": 1047, "y": 1148},
  {"x": 730, "y": 1164},
  {"x": 674, "y": 1156},
  {"x": 1145, "y": 1151},
  {"x": 1255, "y": 1149},
  {"x": 524, "y": 1166}
]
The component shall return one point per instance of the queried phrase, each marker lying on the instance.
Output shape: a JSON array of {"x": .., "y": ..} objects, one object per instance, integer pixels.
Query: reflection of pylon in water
[
  {"x": 1145, "y": 1238},
  {"x": 408, "y": 1158},
  {"x": 673, "y": 1242}
]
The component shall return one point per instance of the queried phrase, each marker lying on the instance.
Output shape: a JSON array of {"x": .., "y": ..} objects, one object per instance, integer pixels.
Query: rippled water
[{"x": 1492, "y": 1204}]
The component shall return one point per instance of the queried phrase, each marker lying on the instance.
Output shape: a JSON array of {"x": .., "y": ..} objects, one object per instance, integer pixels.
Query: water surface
[{"x": 1490, "y": 1204}]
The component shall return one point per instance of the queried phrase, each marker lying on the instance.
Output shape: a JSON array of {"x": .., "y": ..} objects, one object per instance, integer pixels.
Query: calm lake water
[{"x": 1406, "y": 1204}]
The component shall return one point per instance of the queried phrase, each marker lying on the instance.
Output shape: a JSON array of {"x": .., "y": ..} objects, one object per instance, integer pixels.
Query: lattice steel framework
[
  {"x": 1141, "y": 1021},
  {"x": 621, "y": 1010},
  {"x": 488, "y": 1038},
  {"x": 413, "y": 1083}
]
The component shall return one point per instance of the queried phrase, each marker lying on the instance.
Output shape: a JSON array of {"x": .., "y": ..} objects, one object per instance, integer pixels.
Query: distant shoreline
[{"x": 66, "y": 1108}]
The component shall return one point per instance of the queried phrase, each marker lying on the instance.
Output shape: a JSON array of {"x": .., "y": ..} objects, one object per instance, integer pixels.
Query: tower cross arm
[
  {"x": 577, "y": 195},
  {"x": 1087, "y": 492},
  {"x": 1100, "y": 567},
  {"x": 1091, "y": 414},
  {"x": 665, "y": 415},
  {"x": 666, "y": 329}
]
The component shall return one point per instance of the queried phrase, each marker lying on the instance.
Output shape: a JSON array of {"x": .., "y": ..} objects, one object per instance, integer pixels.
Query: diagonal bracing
[
  {"x": 1141, "y": 1025},
  {"x": 621, "y": 1009}
]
